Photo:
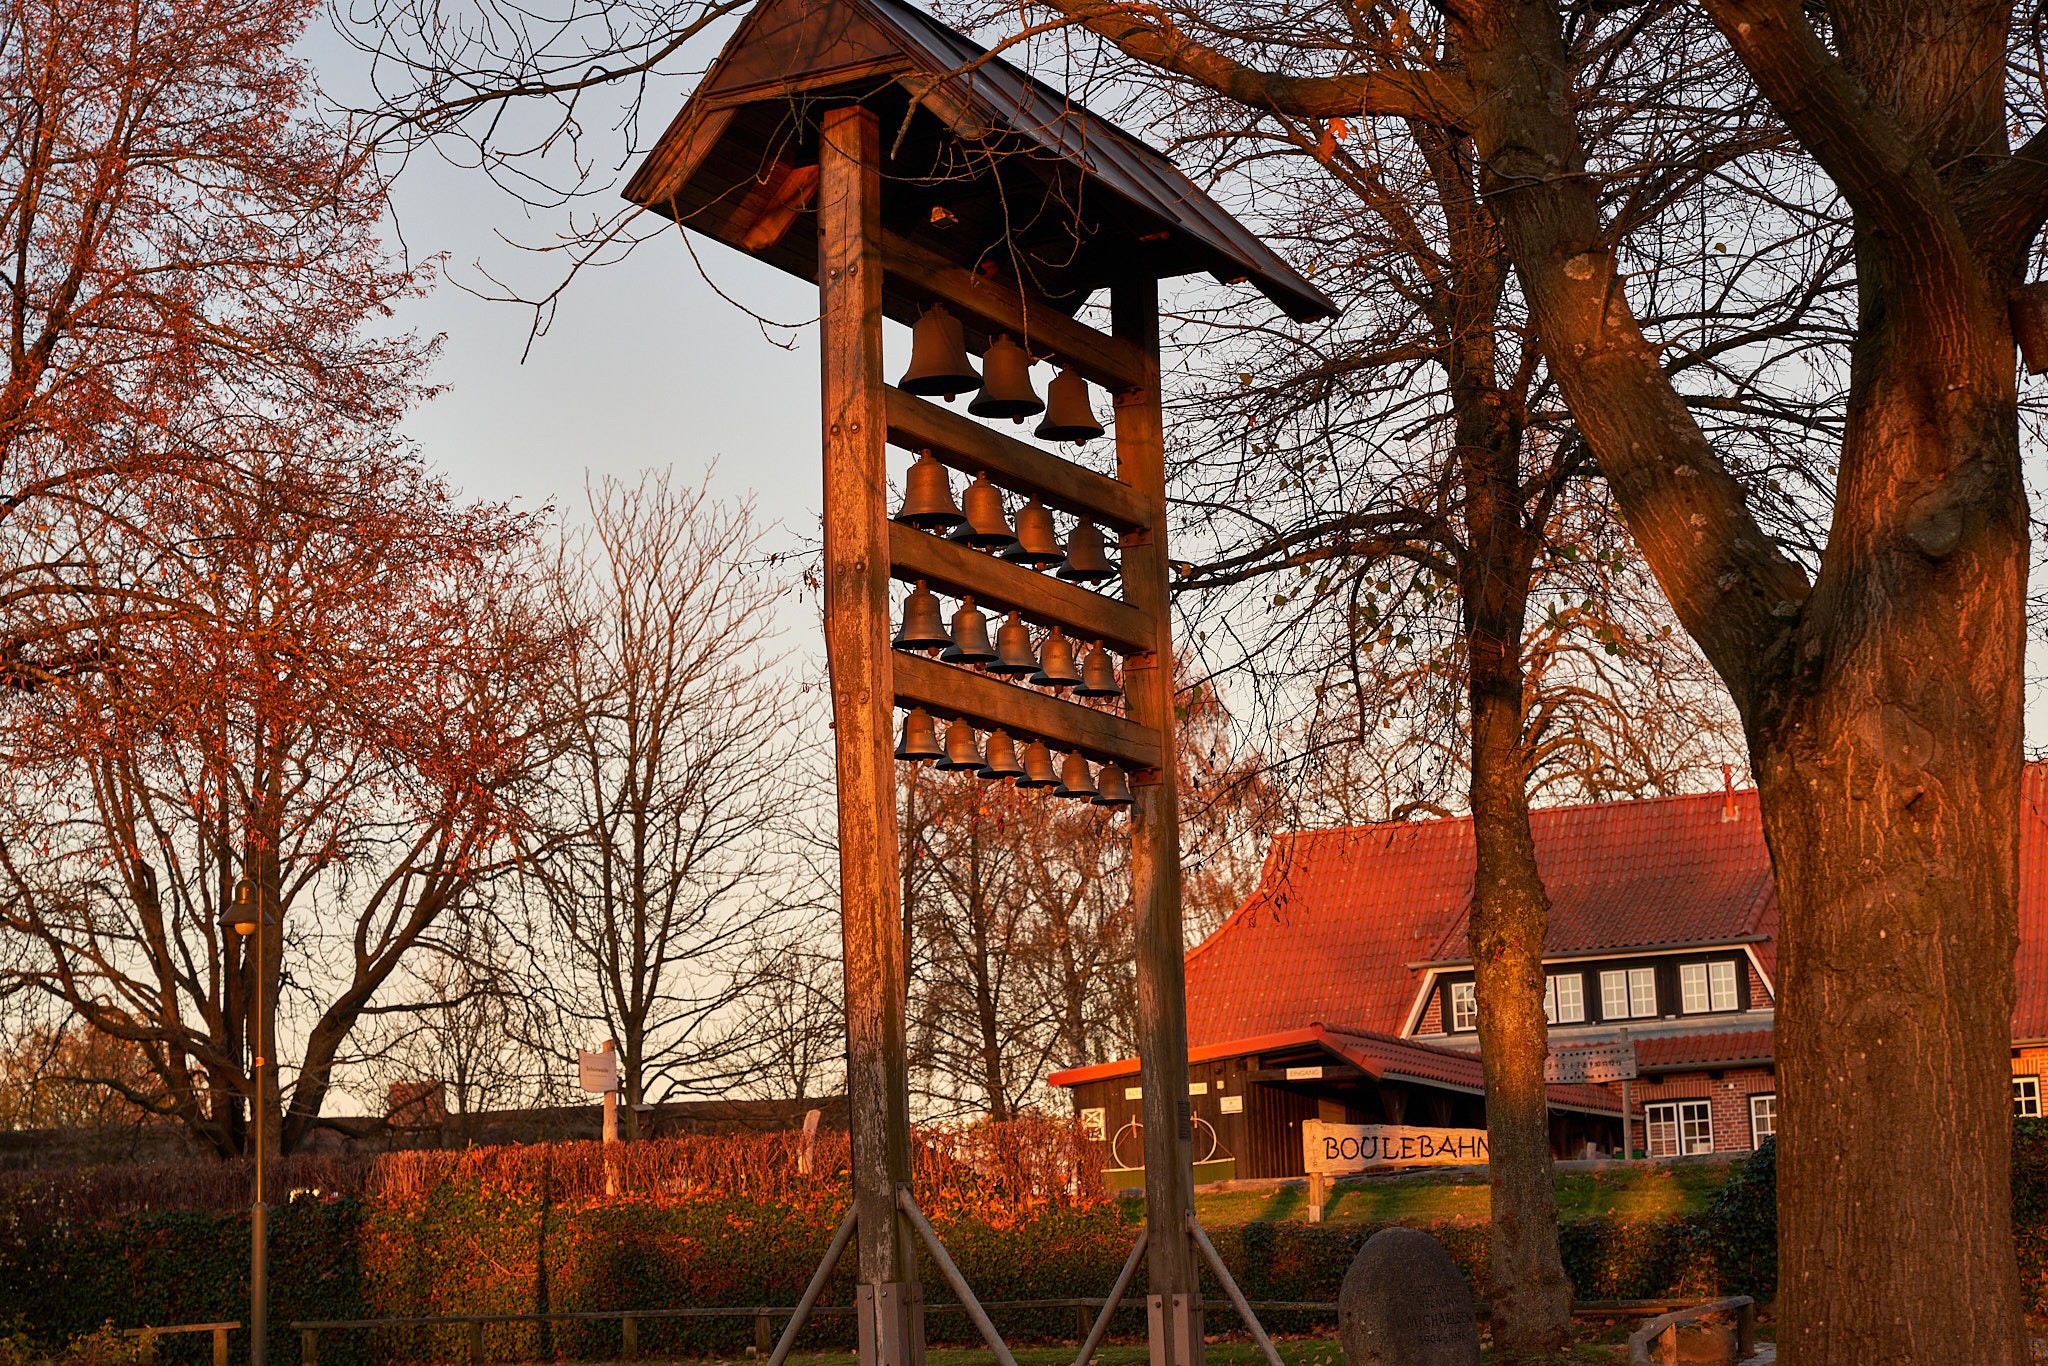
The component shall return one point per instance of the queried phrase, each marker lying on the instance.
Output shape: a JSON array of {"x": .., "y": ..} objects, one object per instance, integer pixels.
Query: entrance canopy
[{"x": 983, "y": 163}]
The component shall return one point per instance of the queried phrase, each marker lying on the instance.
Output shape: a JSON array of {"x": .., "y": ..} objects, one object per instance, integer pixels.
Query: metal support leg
[
  {"x": 944, "y": 1259},
  {"x": 1115, "y": 1300},
  {"x": 1244, "y": 1308},
  {"x": 802, "y": 1313}
]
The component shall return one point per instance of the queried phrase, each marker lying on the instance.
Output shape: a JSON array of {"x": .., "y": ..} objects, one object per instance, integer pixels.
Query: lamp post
[{"x": 249, "y": 917}]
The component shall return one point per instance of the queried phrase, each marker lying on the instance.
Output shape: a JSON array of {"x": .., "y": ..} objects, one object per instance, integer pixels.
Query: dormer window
[
  {"x": 1704, "y": 988},
  {"x": 1464, "y": 1007}
]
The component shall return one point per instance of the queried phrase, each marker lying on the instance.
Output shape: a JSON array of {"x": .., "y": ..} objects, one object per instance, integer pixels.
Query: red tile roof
[
  {"x": 2030, "y": 1013},
  {"x": 1378, "y": 1055},
  {"x": 1339, "y": 915},
  {"x": 1703, "y": 1050}
]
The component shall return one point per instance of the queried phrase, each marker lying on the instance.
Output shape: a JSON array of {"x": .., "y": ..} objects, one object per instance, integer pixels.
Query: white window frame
[
  {"x": 1556, "y": 1001},
  {"x": 1722, "y": 985},
  {"x": 1693, "y": 997},
  {"x": 1764, "y": 1125},
  {"x": 2026, "y": 1097},
  {"x": 1464, "y": 1007},
  {"x": 1642, "y": 993},
  {"x": 1687, "y": 1128},
  {"x": 1613, "y": 989},
  {"x": 1628, "y": 994}
]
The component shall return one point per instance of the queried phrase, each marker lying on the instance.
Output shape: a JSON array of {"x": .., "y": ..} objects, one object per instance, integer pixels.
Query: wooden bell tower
[{"x": 847, "y": 142}]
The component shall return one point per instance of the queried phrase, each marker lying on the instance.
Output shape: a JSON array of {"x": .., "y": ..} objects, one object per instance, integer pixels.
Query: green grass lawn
[{"x": 1647, "y": 1191}]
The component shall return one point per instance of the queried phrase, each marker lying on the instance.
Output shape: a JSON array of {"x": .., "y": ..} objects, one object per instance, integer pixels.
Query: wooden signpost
[{"x": 906, "y": 151}]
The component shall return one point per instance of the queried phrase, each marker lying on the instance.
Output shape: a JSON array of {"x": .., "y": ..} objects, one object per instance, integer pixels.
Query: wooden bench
[{"x": 1660, "y": 1335}]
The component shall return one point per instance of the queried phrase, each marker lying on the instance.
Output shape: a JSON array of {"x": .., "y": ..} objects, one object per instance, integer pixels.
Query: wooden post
[
  {"x": 1176, "y": 1294},
  {"x": 220, "y": 1348},
  {"x": 863, "y": 699},
  {"x": 629, "y": 1337},
  {"x": 764, "y": 1336},
  {"x": 309, "y": 1348},
  {"x": 475, "y": 1335},
  {"x": 1318, "y": 1193}
]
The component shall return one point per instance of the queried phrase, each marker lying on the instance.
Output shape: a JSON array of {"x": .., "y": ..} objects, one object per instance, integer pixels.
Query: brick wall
[
  {"x": 1432, "y": 1021},
  {"x": 1759, "y": 993},
  {"x": 1729, "y": 1091}
]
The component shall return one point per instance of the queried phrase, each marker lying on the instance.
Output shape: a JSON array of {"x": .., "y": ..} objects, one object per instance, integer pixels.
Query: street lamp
[{"x": 247, "y": 916}]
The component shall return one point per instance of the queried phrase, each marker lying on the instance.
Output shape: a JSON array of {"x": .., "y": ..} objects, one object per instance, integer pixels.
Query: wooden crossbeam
[
  {"x": 988, "y": 704},
  {"x": 918, "y": 424},
  {"x": 959, "y": 570},
  {"x": 1114, "y": 364}
]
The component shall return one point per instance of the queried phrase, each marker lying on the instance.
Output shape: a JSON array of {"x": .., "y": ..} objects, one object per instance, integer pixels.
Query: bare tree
[
  {"x": 467, "y": 1025},
  {"x": 341, "y": 712},
  {"x": 658, "y": 854},
  {"x": 797, "y": 1023}
]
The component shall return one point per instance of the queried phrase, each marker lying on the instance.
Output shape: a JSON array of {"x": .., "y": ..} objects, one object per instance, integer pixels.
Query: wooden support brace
[
  {"x": 946, "y": 691},
  {"x": 961, "y": 570},
  {"x": 918, "y": 424}
]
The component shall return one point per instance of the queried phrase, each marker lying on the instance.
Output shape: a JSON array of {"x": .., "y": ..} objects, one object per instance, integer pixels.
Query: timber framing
[{"x": 780, "y": 153}]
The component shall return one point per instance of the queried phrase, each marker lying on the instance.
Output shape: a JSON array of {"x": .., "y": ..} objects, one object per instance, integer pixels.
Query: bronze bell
[
  {"x": 1001, "y": 758},
  {"x": 1038, "y": 541},
  {"x": 928, "y": 496},
  {"x": 1006, "y": 383},
  {"x": 970, "y": 637},
  {"x": 1037, "y": 766},
  {"x": 1098, "y": 676},
  {"x": 938, "y": 358},
  {"x": 1068, "y": 414},
  {"x": 987, "y": 524},
  {"x": 1056, "y": 667},
  {"x": 963, "y": 753},
  {"x": 920, "y": 738},
  {"x": 923, "y": 627},
  {"x": 1014, "y": 654},
  {"x": 1085, "y": 562},
  {"x": 1075, "y": 779},
  {"x": 1111, "y": 787}
]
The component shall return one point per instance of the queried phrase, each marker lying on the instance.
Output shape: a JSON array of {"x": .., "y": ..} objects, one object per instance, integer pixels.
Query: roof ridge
[{"x": 1445, "y": 822}]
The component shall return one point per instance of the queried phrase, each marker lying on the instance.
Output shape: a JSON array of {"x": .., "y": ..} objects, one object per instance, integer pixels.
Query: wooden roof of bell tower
[{"x": 987, "y": 168}]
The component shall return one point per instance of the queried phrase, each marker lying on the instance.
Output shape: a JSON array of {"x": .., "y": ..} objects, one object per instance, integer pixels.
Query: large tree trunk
[
  {"x": 1510, "y": 910},
  {"x": 1891, "y": 790},
  {"x": 1882, "y": 709}
]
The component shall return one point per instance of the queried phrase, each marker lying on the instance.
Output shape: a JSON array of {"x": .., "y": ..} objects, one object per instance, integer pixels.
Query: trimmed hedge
[{"x": 477, "y": 1241}]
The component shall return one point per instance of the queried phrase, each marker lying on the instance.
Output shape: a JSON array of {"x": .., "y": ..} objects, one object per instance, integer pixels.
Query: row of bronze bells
[
  {"x": 963, "y": 752},
  {"x": 966, "y": 642},
  {"x": 939, "y": 366},
  {"x": 981, "y": 520}
]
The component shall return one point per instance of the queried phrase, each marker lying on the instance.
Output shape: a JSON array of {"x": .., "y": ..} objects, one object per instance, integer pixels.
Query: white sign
[
  {"x": 597, "y": 1072},
  {"x": 1330, "y": 1148},
  {"x": 1094, "y": 1124},
  {"x": 1304, "y": 1073},
  {"x": 1231, "y": 1105},
  {"x": 1593, "y": 1062},
  {"x": 1134, "y": 1093},
  {"x": 1198, "y": 1088}
]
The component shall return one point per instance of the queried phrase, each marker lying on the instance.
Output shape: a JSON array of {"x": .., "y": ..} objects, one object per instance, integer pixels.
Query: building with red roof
[{"x": 1342, "y": 989}]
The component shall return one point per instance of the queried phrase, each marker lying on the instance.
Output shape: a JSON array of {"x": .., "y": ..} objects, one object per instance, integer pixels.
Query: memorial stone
[{"x": 1404, "y": 1303}]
